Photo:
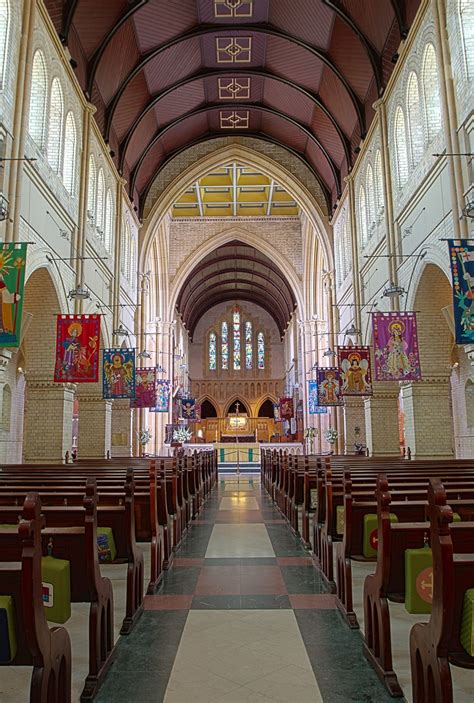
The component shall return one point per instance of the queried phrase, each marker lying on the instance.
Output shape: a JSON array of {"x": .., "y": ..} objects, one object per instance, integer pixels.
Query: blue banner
[
  {"x": 462, "y": 269},
  {"x": 313, "y": 407}
]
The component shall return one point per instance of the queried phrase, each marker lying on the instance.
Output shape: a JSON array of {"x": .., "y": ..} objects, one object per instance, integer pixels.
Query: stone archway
[
  {"x": 427, "y": 404},
  {"x": 48, "y": 412}
]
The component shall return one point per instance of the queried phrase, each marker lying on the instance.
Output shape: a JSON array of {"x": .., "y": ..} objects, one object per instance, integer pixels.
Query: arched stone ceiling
[
  {"x": 235, "y": 271},
  {"x": 165, "y": 75}
]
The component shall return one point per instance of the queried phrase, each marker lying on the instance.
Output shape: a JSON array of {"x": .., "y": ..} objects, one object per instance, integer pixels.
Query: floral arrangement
[
  {"x": 331, "y": 435},
  {"x": 182, "y": 435},
  {"x": 144, "y": 436},
  {"x": 310, "y": 433}
]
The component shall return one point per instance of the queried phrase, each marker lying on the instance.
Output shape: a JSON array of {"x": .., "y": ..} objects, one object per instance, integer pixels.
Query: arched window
[
  {"x": 379, "y": 198},
  {"x": 132, "y": 275},
  {"x": 55, "y": 125},
  {"x": 4, "y": 38},
  {"x": 70, "y": 154},
  {"x": 431, "y": 93},
  {"x": 248, "y": 345},
  {"x": 261, "y": 350},
  {"x": 236, "y": 338},
  {"x": 91, "y": 186},
  {"x": 371, "y": 216},
  {"x": 39, "y": 91},
  {"x": 225, "y": 345},
  {"x": 109, "y": 220},
  {"x": 401, "y": 156},
  {"x": 100, "y": 206},
  {"x": 126, "y": 244},
  {"x": 362, "y": 216},
  {"x": 346, "y": 248},
  {"x": 415, "y": 124},
  {"x": 212, "y": 351},
  {"x": 340, "y": 256},
  {"x": 466, "y": 24}
]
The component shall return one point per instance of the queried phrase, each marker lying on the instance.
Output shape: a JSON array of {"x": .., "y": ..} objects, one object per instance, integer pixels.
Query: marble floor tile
[
  {"x": 239, "y": 502},
  {"x": 239, "y": 541}
]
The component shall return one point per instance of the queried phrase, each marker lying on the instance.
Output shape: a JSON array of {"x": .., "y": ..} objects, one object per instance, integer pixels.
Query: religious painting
[
  {"x": 312, "y": 397},
  {"x": 354, "y": 368},
  {"x": 276, "y": 412},
  {"x": 188, "y": 408},
  {"x": 12, "y": 282},
  {"x": 396, "y": 346},
  {"x": 118, "y": 373},
  {"x": 145, "y": 388},
  {"x": 329, "y": 386},
  {"x": 462, "y": 270},
  {"x": 77, "y": 349},
  {"x": 162, "y": 400},
  {"x": 286, "y": 408}
]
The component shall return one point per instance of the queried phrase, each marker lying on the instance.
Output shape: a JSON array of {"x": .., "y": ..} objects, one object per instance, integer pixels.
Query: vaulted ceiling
[
  {"x": 235, "y": 271},
  {"x": 164, "y": 75}
]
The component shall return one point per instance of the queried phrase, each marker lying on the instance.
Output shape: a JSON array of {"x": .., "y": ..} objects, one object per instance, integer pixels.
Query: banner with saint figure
[
  {"x": 188, "y": 408},
  {"x": 145, "y": 388},
  {"x": 286, "y": 408},
  {"x": 162, "y": 400},
  {"x": 329, "y": 386},
  {"x": 396, "y": 346},
  {"x": 118, "y": 373},
  {"x": 77, "y": 349},
  {"x": 462, "y": 270},
  {"x": 313, "y": 407},
  {"x": 354, "y": 368},
  {"x": 12, "y": 282}
]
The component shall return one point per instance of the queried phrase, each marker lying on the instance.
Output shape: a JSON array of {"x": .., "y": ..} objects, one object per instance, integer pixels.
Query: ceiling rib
[
  {"x": 70, "y": 8},
  {"x": 244, "y": 72}
]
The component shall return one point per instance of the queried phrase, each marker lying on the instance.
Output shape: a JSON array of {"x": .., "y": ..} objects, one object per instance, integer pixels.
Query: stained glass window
[
  {"x": 236, "y": 335},
  {"x": 212, "y": 351},
  {"x": 261, "y": 350},
  {"x": 248, "y": 345},
  {"x": 225, "y": 345}
]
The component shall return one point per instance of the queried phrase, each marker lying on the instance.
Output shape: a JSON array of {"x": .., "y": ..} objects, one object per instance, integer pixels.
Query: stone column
[
  {"x": 353, "y": 417},
  {"x": 121, "y": 428},
  {"x": 48, "y": 421},
  {"x": 428, "y": 418},
  {"x": 381, "y": 420},
  {"x": 95, "y": 426}
]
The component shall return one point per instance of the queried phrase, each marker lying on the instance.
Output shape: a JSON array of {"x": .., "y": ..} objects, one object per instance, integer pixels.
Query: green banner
[{"x": 12, "y": 281}]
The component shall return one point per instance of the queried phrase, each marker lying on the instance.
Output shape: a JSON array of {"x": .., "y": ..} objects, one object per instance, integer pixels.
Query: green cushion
[
  {"x": 9, "y": 527},
  {"x": 7, "y": 630},
  {"x": 418, "y": 580},
  {"x": 56, "y": 577},
  {"x": 467, "y": 622},
  {"x": 370, "y": 538},
  {"x": 456, "y": 517},
  {"x": 340, "y": 519},
  {"x": 106, "y": 544}
]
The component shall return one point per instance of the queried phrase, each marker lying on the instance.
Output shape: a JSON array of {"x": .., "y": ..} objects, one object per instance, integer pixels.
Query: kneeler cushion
[
  {"x": 467, "y": 622},
  {"x": 370, "y": 539},
  {"x": 340, "y": 519},
  {"x": 106, "y": 544},
  {"x": 418, "y": 580},
  {"x": 56, "y": 577},
  {"x": 7, "y": 629}
]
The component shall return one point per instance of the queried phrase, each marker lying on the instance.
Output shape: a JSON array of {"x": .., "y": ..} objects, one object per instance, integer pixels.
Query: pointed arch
[
  {"x": 260, "y": 350},
  {"x": 401, "y": 153},
  {"x": 431, "y": 100},
  {"x": 264, "y": 407},
  {"x": 70, "y": 154},
  {"x": 91, "y": 190},
  {"x": 38, "y": 98},
  {"x": 363, "y": 216},
  {"x": 244, "y": 407},
  {"x": 370, "y": 190},
  {"x": 224, "y": 345},
  {"x": 378, "y": 178},
  {"x": 132, "y": 274},
  {"x": 209, "y": 408},
  {"x": 109, "y": 221},
  {"x": 248, "y": 345},
  {"x": 414, "y": 119},
  {"x": 55, "y": 125},
  {"x": 100, "y": 205},
  {"x": 212, "y": 351}
]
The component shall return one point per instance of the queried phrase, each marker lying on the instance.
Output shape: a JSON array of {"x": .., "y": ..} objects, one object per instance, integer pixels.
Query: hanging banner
[
  {"x": 145, "y": 388},
  {"x": 313, "y": 397},
  {"x": 276, "y": 412},
  {"x": 162, "y": 401},
  {"x": 396, "y": 346},
  {"x": 77, "y": 349},
  {"x": 354, "y": 369},
  {"x": 329, "y": 386},
  {"x": 188, "y": 408},
  {"x": 462, "y": 269},
  {"x": 12, "y": 282},
  {"x": 286, "y": 408},
  {"x": 198, "y": 412},
  {"x": 118, "y": 373}
]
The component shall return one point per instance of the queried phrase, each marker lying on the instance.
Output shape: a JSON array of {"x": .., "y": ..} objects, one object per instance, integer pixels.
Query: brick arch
[{"x": 433, "y": 293}]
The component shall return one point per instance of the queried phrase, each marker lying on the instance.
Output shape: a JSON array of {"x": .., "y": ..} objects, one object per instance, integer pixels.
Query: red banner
[
  {"x": 77, "y": 349},
  {"x": 145, "y": 388},
  {"x": 286, "y": 408},
  {"x": 354, "y": 368}
]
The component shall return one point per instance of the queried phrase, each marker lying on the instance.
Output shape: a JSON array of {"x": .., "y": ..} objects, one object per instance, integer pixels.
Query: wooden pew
[
  {"x": 436, "y": 644},
  {"x": 47, "y": 650}
]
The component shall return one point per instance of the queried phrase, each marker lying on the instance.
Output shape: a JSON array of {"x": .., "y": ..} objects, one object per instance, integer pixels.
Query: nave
[{"x": 241, "y": 617}]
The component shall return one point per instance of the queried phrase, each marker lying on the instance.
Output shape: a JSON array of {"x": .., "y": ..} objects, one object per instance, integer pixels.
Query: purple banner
[{"x": 396, "y": 346}]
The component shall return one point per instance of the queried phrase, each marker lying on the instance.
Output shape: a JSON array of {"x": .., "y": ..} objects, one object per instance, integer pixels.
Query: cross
[{"x": 237, "y": 407}]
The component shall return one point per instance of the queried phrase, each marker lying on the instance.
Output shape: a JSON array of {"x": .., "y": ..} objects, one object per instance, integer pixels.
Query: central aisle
[{"x": 242, "y": 617}]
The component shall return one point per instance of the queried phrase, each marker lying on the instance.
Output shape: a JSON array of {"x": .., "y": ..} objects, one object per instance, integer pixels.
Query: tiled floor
[{"x": 242, "y": 617}]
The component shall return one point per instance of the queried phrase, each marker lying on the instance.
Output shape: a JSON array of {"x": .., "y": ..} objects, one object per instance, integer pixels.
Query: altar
[{"x": 226, "y": 438}]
